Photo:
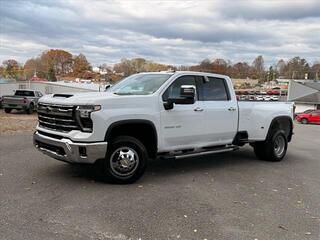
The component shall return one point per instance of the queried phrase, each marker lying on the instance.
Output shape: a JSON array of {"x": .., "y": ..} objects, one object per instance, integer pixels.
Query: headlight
[
  {"x": 83, "y": 114},
  {"x": 85, "y": 110}
]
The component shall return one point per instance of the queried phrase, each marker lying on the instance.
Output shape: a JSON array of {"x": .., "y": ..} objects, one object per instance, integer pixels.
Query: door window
[
  {"x": 215, "y": 89},
  {"x": 174, "y": 90}
]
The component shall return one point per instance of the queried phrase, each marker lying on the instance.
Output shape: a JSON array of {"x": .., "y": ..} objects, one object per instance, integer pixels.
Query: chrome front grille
[{"x": 57, "y": 117}]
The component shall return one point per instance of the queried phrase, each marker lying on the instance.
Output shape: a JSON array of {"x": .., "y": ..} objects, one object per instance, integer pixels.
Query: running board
[{"x": 202, "y": 153}]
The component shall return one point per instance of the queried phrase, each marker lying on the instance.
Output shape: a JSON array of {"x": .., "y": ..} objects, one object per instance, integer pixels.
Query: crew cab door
[
  {"x": 220, "y": 110},
  {"x": 182, "y": 126}
]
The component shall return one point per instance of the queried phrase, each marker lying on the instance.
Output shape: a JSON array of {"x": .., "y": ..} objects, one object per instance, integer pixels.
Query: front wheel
[
  {"x": 30, "y": 109},
  {"x": 125, "y": 161},
  {"x": 304, "y": 121},
  {"x": 7, "y": 110},
  {"x": 273, "y": 149}
]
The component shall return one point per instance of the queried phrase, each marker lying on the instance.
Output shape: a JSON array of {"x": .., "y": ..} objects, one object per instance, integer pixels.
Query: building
[
  {"x": 50, "y": 87},
  {"x": 305, "y": 94}
]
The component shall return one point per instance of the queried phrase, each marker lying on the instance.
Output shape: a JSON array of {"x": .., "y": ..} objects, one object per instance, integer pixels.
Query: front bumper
[{"x": 68, "y": 151}]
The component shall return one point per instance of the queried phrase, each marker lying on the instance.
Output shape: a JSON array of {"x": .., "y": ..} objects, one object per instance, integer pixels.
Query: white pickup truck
[{"x": 160, "y": 114}]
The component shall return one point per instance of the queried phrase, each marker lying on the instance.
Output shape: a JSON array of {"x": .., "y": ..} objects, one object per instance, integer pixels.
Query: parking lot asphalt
[{"x": 225, "y": 196}]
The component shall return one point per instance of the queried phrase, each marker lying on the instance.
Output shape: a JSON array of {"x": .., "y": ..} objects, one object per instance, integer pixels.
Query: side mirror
[
  {"x": 188, "y": 92},
  {"x": 187, "y": 96}
]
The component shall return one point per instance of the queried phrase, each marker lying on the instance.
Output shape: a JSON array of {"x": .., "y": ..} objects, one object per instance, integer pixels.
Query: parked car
[
  {"x": 259, "y": 98},
  {"x": 242, "y": 98},
  {"x": 306, "y": 112},
  {"x": 274, "y": 98},
  {"x": 273, "y": 92},
  {"x": 0, "y": 102},
  {"x": 267, "y": 98},
  {"x": 158, "y": 115},
  {"x": 251, "y": 98},
  {"x": 311, "y": 117},
  {"x": 21, "y": 100}
]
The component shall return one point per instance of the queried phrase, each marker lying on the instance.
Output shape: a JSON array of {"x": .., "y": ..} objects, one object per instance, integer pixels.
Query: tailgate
[{"x": 12, "y": 100}]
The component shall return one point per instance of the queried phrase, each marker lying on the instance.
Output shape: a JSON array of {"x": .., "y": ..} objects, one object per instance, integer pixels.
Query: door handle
[
  {"x": 198, "y": 109},
  {"x": 232, "y": 109}
]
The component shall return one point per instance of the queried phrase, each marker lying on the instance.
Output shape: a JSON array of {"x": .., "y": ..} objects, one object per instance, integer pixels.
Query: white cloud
[{"x": 174, "y": 32}]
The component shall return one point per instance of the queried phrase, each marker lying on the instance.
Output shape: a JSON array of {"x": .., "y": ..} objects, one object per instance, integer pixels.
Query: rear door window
[{"x": 215, "y": 89}]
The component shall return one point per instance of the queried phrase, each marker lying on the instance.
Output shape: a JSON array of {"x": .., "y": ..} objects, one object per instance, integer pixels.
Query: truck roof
[
  {"x": 186, "y": 72},
  {"x": 26, "y": 90}
]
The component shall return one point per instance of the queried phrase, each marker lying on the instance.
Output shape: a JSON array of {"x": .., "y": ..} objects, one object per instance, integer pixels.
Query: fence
[{"x": 44, "y": 87}]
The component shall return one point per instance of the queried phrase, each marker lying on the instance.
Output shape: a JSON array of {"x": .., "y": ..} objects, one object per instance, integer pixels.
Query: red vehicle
[
  {"x": 273, "y": 92},
  {"x": 312, "y": 117}
]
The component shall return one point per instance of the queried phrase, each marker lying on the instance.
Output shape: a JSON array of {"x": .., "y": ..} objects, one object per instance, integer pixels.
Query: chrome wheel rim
[
  {"x": 124, "y": 161},
  {"x": 279, "y": 145}
]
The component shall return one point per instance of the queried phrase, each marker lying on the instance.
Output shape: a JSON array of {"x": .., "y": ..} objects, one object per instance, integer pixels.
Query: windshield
[{"x": 139, "y": 84}]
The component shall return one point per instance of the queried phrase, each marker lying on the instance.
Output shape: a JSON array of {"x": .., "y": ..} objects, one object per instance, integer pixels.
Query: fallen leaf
[{"x": 283, "y": 227}]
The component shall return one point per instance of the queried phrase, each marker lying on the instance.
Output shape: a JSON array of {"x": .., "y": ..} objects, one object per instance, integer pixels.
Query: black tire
[
  {"x": 30, "y": 109},
  {"x": 304, "y": 121},
  {"x": 7, "y": 110},
  {"x": 134, "y": 156},
  {"x": 274, "y": 148}
]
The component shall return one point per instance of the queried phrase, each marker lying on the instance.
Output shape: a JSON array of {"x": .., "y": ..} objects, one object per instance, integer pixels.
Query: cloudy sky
[{"x": 173, "y": 32}]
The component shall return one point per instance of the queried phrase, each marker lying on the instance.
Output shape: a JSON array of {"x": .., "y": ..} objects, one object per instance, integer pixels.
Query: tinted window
[
  {"x": 24, "y": 93},
  {"x": 174, "y": 90},
  {"x": 214, "y": 90}
]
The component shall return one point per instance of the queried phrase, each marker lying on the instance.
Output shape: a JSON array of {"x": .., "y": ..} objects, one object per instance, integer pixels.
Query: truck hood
[
  {"x": 77, "y": 98},
  {"x": 91, "y": 98}
]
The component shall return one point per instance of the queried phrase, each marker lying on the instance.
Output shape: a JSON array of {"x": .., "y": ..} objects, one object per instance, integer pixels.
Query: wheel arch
[
  {"x": 281, "y": 122},
  {"x": 144, "y": 130}
]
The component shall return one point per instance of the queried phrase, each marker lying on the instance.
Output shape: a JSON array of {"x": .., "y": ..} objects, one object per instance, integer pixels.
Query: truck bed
[
  {"x": 12, "y": 99},
  {"x": 255, "y": 117}
]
